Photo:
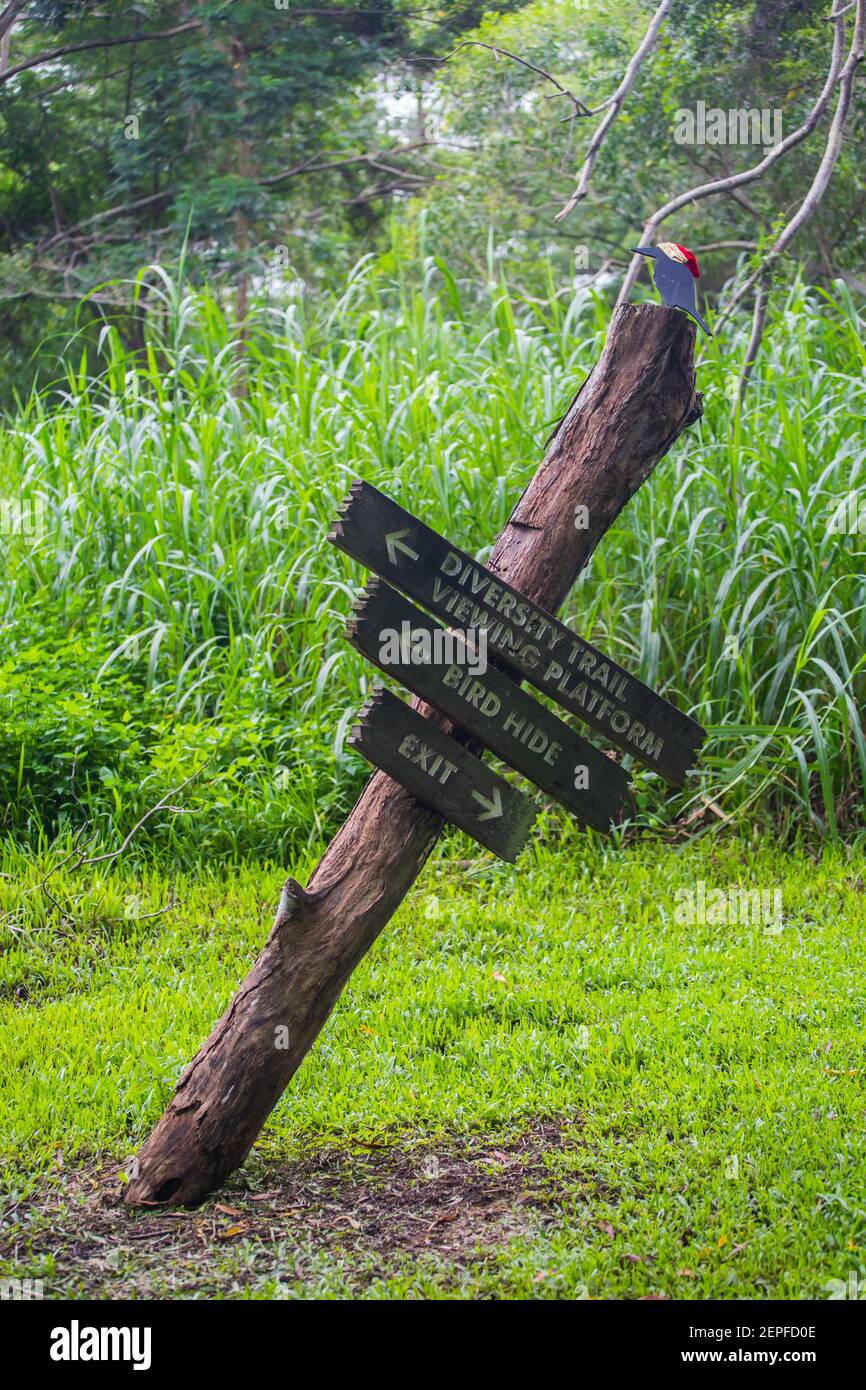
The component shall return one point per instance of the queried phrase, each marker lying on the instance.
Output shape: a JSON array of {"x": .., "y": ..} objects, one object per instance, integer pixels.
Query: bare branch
[
  {"x": 759, "y": 320},
  {"x": 162, "y": 805},
  {"x": 75, "y": 853},
  {"x": 578, "y": 107},
  {"x": 119, "y": 211},
  {"x": 736, "y": 193},
  {"x": 727, "y": 246},
  {"x": 42, "y": 58},
  {"x": 757, "y": 171},
  {"x": 614, "y": 107},
  {"x": 823, "y": 174},
  {"x": 7, "y": 20},
  {"x": 80, "y": 843},
  {"x": 852, "y": 280},
  {"x": 9, "y": 16},
  {"x": 147, "y": 916},
  {"x": 309, "y": 166}
]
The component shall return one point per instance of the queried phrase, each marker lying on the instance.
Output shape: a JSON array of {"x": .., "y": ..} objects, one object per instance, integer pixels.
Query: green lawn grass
[{"x": 713, "y": 1074}]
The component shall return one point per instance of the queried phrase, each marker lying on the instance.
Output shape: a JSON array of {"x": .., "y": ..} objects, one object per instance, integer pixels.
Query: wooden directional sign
[
  {"x": 438, "y": 666},
  {"x": 447, "y": 581},
  {"x": 431, "y": 765}
]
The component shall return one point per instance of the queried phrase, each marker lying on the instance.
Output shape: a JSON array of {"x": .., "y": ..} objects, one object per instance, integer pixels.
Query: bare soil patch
[{"x": 453, "y": 1200}]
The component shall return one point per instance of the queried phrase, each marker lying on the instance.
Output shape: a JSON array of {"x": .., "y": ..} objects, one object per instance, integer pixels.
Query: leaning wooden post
[{"x": 634, "y": 404}]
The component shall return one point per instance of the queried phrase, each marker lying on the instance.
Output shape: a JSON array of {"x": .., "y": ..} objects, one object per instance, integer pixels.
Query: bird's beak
[{"x": 643, "y": 250}]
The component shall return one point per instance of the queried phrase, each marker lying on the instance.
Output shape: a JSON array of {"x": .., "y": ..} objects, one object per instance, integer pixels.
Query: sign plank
[
  {"x": 442, "y": 669},
  {"x": 433, "y": 767},
  {"x": 538, "y": 647}
]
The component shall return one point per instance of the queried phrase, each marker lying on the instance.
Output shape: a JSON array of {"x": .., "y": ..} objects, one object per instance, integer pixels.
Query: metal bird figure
[{"x": 675, "y": 272}]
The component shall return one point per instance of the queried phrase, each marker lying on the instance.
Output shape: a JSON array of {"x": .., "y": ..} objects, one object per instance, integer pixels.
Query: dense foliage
[{"x": 179, "y": 607}]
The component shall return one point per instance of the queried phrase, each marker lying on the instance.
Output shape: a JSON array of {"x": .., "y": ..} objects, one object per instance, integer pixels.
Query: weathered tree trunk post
[{"x": 634, "y": 404}]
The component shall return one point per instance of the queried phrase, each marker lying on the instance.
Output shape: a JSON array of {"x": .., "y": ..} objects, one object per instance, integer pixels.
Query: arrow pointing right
[
  {"x": 494, "y": 807},
  {"x": 394, "y": 542}
]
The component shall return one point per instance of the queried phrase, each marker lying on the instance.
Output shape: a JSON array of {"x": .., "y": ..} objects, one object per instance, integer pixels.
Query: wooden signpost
[
  {"x": 436, "y": 769},
  {"x": 493, "y": 707},
  {"x": 531, "y": 642},
  {"x": 638, "y": 398},
  {"x": 442, "y": 667}
]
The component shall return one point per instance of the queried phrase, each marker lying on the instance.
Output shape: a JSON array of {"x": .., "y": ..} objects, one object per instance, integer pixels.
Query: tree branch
[
  {"x": 9, "y": 16},
  {"x": 309, "y": 166},
  {"x": 757, "y": 171},
  {"x": 162, "y": 805},
  {"x": 614, "y": 107},
  {"x": 118, "y": 211},
  {"x": 90, "y": 44},
  {"x": 819, "y": 184},
  {"x": 7, "y": 21},
  {"x": 579, "y": 108}
]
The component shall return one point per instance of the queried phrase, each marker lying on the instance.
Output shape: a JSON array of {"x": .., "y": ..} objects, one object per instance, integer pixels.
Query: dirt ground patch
[{"x": 453, "y": 1200}]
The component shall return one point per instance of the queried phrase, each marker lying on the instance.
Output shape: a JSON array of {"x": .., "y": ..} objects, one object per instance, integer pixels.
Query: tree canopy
[{"x": 289, "y": 136}]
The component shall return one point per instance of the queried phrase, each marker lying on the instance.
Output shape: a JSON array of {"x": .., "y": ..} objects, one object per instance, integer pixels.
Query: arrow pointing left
[
  {"x": 394, "y": 542},
  {"x": 494, "y": 807}
]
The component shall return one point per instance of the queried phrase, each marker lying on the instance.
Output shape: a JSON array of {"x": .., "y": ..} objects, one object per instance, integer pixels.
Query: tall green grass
[{"x": 182, "y": 610}]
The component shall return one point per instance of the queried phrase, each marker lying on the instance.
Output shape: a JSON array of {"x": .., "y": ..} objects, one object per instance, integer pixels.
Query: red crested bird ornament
[{"x": 675, "y": 271}]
